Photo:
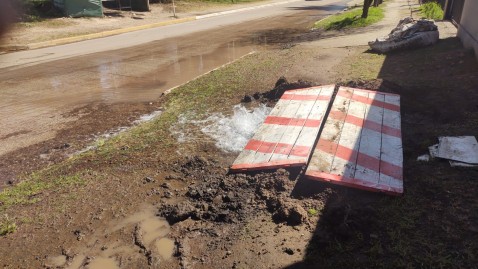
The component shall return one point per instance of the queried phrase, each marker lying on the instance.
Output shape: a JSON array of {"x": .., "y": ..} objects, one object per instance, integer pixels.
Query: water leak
[
  {"x": 229, "y": 132},
  {"x": 232, "y": 132}
]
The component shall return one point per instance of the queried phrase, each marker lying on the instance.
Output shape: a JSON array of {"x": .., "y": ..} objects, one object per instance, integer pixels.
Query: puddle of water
[
  {"x": 103, "y": 263},
  {"x": 56, "y": 261},
  {"x": 165, "y": 247},
  {"x": 153, "y": 228},
  {"x": 148, "y": 117},
  {"x": 77, "y": 262}
]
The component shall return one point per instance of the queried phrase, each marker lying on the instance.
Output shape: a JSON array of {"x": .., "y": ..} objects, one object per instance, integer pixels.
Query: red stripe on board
[
  {"x": 369, "y": 101},
  {"x": 292, "y": 121},
  {"x": 341, "y": 116},
  {"x": 364, "y": 160},
  {"x": 304, "y": 97},
  {"x": 253, "y": 145},
  {"x": 278, "y": 148},
  {"x": 390, "y": 170},
  {"x": 269, "y": 165},
  {"x": 354, "y": 183}
]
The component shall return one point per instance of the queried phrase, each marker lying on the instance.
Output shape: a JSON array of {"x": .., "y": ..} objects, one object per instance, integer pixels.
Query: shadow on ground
[{"x": 434, "y": 224}]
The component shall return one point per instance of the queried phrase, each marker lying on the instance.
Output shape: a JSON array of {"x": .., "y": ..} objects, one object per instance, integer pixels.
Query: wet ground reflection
[{"x": 40, "y": 96}]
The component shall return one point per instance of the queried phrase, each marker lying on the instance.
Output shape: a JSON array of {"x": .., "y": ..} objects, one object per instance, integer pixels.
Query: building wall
[{"x": 468, "y": 28}]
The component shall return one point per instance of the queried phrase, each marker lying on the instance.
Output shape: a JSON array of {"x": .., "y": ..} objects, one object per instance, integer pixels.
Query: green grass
[
  {"x": 431, "y": 10},
  {"x": 26, "y": 192},
  {"x": 350, "y": 19},
  {"x": 7, "y": 225},
  {"x": 312, "y": 212}
]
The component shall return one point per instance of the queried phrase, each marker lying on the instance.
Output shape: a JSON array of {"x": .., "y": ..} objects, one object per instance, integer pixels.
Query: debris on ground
[
  {"x": 460, "y": 151},
  {"x": 409, "y": 33},
  {"x": 282, "y": 85}
]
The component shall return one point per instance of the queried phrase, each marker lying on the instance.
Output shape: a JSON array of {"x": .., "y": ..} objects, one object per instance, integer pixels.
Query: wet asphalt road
[{"x": 39, "y": 89}]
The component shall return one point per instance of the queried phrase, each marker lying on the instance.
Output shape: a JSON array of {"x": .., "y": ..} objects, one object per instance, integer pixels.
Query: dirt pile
[
  {"x": 281, "y": 86},
  {"x": 220, "y": 197},
  {"x": 382, "y": 85}
]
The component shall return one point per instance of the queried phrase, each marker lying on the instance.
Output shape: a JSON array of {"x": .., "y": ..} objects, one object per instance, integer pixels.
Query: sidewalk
[{"x": 394, "y": 12}]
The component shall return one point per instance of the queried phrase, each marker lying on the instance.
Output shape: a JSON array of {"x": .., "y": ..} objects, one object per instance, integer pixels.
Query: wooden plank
[
  {"x": 350, "y": 139},
  {"x": 323, "y": 155},
  {"x": 391, "y": 159},
  {"x": 317, "y": 113},
  {"x": 368, "y": 162}
]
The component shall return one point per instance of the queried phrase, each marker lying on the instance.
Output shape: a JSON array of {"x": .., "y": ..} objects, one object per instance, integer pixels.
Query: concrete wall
[{"x": 468, "y": 28}]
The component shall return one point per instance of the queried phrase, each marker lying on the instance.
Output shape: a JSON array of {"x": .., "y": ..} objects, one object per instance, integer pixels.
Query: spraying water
[{"x": 232, "y": 133}]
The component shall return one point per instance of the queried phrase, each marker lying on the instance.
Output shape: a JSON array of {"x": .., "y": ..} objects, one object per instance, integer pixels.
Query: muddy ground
[{"x": 103, "y": 209}]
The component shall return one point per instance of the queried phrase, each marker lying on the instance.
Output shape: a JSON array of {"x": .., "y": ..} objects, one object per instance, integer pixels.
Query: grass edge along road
[{"x": 350, "y": 19}]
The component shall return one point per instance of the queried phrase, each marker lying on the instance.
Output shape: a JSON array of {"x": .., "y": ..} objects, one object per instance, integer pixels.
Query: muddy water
[
  {"x": 34, "y": 104},
  {"x": 56, "y": 261},
  {"x": 103, "y": 263},
  {"x": 165, "y": 247},
  {"x": 150, "y": 230}
]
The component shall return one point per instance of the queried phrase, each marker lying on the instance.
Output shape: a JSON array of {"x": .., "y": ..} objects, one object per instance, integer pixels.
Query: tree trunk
[{"x": 366, "y": 6}]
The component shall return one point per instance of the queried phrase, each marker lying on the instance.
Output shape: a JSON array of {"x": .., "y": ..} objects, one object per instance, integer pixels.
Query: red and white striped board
[
  {"x": 287, "y": 136},
  {"x": 360, "y": 145}
]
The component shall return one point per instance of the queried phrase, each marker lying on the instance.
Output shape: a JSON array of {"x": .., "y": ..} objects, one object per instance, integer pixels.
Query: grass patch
[
  {"x": 431, "y": 10},
  {"x": 312, "y": 212},
  {"x": 27, "y": 192},
  {"x": 7, "y": 225},
  {"x": 350, "y": 19}
]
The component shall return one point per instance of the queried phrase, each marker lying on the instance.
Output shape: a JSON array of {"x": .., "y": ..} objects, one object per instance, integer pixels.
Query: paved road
[
  {"x": 44, "y": 92},
  {"x": 32, "y": 57}
]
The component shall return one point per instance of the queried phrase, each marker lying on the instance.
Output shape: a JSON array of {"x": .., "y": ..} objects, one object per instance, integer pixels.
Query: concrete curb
[{"x": 67, "y": 40}]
